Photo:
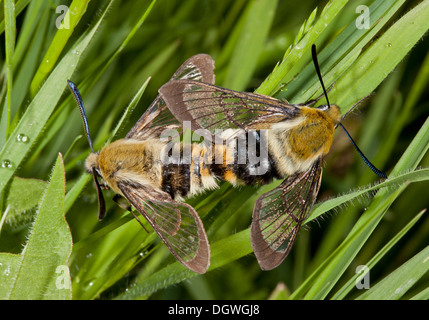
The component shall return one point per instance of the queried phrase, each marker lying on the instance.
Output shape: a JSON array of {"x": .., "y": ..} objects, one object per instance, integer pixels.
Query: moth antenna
[
  {"x": 78, "y": 98},
  {"x": 316, "y": 65},
  {"x": 365, "y": 159},
  {"x": 368, "y": 163},
  {"x": 79, "y": 101}
]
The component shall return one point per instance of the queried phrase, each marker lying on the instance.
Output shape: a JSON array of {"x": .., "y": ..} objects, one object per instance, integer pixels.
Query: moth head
[
  {"x": 335, "y": 114},
  {"x": 92, "y": 162},
  {"x": 332, "y": 111}
]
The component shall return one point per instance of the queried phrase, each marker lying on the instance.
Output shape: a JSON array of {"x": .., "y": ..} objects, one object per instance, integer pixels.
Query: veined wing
[
  {"x": 177, "y": 224},
  {"x": 157, "y": 117},
  {"x": 278, "y": 215},
  {"x": 211, "y": 107}
]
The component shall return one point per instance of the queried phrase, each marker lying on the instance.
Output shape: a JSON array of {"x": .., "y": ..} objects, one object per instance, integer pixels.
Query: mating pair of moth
[{"x": 295, "y": 137}]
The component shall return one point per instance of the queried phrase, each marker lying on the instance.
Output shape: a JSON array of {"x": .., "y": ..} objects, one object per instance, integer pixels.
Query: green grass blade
[
  {"x": 28, "y": 29},
  {"x": 250, "y": 41},
  {"x": 340, "y": 55},
  {"x": 415, "y": 151},
  {"x": 9, "y": 267},
  {"x": 422, "y": 295},
  {"x": 48, "y": 248},
  {"x": 26, "y": 58},
  {"x": 396, "y": 284},
  {"x": 223, "y": 252},
  {"x": 393, "y": 182},
  {"x": 9, "y": 10},
  {"x": 74, "y": 14},
  {"x": 128, "y": 111},
  {"x": 329, "y": 272},
  {"x": 381, "y": 57},
  {"x": 284, "y": 72},
  {"x": 34, "y": 119},
  {"x": 351, "y": 284},
  {"x": 20, "y": 5}
]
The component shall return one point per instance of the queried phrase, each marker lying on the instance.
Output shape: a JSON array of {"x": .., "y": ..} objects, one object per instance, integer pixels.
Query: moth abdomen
[{"x": 176, "y": 179}]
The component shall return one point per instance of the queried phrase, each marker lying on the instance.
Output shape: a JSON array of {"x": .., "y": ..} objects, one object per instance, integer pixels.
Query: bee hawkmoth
[
  {"x": 132, "y": 168},
  {"x": 261, "y": 139}
]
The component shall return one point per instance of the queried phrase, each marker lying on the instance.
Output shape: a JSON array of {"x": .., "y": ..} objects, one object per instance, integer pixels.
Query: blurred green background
[{"x": 247, "y": 39}]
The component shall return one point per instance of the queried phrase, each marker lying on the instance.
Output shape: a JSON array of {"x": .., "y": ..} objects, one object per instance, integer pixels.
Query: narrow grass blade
[
  {"x": 9, "y": 267},
  {"x": 282, "y": 73},
  {"x": 34, "y": 118},
  {"x": 351, "y": 284},
  {"x": 9, "y": 10},
  {"x": 71, "y": 19},
  {"x": 396, "y": 284},
  {"x": 340, "y": 55},
  {"x": 250, "y": 41},
  {"x": 128, "y": 111},
  {"x": 327, "y": 275},
  {"x": 381, "y": 57},
  {"x": 422, "y": 295},
  {"x": 393, "y": 182},
  {"x": 223, "y": 252}
]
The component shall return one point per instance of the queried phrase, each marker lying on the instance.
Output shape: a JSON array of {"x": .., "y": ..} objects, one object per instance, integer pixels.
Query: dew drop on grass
[
  {"x": 22, "y": 138},
  {"x": 7, "y": 164}
]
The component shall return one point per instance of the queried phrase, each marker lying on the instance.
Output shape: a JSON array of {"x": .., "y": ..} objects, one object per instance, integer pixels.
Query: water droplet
[
  {"x": 22, "y": 138},
  {"x": 76, "y": 52},
  {"x": 6, "y": 272},
  {"x": 389, "y": 44},
  {"x": 7, "y": 164}
]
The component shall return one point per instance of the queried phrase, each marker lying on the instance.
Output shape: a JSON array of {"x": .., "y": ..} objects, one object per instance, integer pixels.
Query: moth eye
[{"x": 324, "y": 107}]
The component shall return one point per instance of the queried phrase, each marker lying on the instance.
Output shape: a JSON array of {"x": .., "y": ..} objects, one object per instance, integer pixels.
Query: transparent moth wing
[
  {"x": 278, "y": 215},
  {"x": 177, "y": 224},
  {"x": 158, "y": 117},
  {"x": 211, "y": 107}
]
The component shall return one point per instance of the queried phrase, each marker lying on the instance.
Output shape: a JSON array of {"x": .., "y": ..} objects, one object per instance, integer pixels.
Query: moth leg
[
  {"x": 104, "y": 186},
  {"x": 141, "y": 223},
  {"x": 124, "y": 204},
  {"x": 120, "y": 201}
]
